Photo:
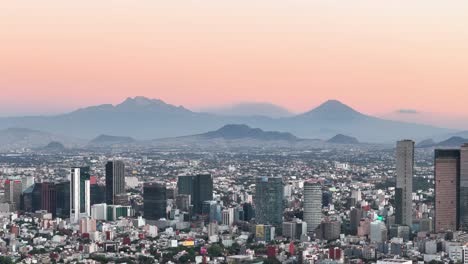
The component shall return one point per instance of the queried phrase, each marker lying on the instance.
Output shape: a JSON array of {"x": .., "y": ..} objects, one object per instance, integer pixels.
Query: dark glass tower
[
  {"x": 199, "y": 187},
  {"x": 269, "y": 200},
  {"x": 63, "y": 199},
  {"x": 115, "y": 180},
  {"x": 154, "y": 201}
]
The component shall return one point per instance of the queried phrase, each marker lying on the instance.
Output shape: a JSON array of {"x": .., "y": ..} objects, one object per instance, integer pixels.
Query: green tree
[{"x": 215, "y": 250}]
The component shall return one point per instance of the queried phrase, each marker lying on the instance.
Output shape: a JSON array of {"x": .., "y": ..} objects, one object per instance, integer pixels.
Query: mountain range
[
  {"x": 452, "y": 142},
  {"x": 144, "y": 119}
]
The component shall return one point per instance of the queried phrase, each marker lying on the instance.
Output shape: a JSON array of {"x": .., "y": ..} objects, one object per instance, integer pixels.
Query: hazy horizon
[{"x": 378, "y": 57}]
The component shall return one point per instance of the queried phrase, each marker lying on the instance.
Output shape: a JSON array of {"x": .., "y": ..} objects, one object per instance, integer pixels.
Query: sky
[{"x": 376, "y": 56}]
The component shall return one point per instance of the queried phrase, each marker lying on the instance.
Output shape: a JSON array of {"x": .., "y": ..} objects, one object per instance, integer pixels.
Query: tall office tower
[
  {"x": 404, "y": 182},
  {"x": 312, "y": 204},
  {"x": 199, "y": 187},
  {"x": 36, "y": 197},
  {"x": 463, "y": 202},
  {"x": 49, "y": 197},
  {"x": 13, "y": 190},
  {"x": 154, "y": 201},
  {"x": 98, "y": 193},
  {"x": 63, "y": 199},
  {"x": 115, "y": 180},
  {"x": 269, "y": 200},
  {"x": 80, "y": 194},
  {"x": 203, "y": 191},
  {"x": 355, "y": 219},
  {"x": 447, "y": 189}
]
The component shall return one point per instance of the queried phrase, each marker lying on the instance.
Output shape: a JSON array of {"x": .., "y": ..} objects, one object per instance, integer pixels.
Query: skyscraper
[
  {"x": 447, "y": 189},
  {"x": 13, "y": 190},
  {"x": 63, "y": 199},
  {"x": 312, "y": 204},
  {"x": 463, "y": 202},
  {"x": 49, "y": 197},
  {"x": 404, "y": 182},
  {"x": 154, "y": 201},
  {"x": 199, "y": 187},
  {"x": 80, "y": 196},
  {"x": 269, "y": 200},
  {"x": 115, "y": 180}
]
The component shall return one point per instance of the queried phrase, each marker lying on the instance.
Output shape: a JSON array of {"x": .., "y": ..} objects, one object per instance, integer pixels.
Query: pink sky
[{"x": 377, "y": 56}]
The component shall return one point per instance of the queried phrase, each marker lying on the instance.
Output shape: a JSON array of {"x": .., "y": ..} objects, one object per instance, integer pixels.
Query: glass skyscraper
[
  {"x": 115, "y": 180},
  {"x": 199, "y": 187},
  {"x": 154, "y": 201},
  {"x": 269, "y": 200}
]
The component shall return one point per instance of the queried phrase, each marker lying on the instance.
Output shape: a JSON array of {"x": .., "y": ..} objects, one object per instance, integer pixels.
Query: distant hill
[
  {"x": 54, "y": 146},
  {"x": 343, "y": 139},
  {"x": 452, "y": 142},
  {"x": 19, "y": 138},
  {"x": 108, "y": 140},
  {"x": 145, "y": 119},
  {"x": 251, "y": 109},
  {"x": 243, "y": 131},
  {"x": 426, "y": 143}
]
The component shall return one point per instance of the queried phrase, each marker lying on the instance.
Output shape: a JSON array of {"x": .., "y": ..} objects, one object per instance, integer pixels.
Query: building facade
[
  {"x": 404, "y": 182},
  {"x": 447, "y": 189},
  {"x": 115, "y": 180},
  {"x": 269, "y": 200},
  {"x": 80, "y": 194},
  {"x": 312, "y": 204},
  {"x": 154, "y": 201}
]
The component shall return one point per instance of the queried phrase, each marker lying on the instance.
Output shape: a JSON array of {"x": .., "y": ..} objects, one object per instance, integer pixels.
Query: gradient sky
[{"x": 377, "y": 56}]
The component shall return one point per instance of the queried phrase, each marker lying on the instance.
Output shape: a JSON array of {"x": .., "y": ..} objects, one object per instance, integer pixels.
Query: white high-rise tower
[
  {"x": 80, "y": 194},
  {"x": 312, "y": 204}
]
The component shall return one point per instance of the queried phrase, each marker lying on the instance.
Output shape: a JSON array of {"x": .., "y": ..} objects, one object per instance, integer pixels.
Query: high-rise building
[
  {"x": 80, "y": 194},
  {"x": 98, "y": 193},
  {"x": 294, "y": 229},
  {"x": 329, "y": 230},
  {"x": 447, "y": 189},
  {"x": 154, "y": 201},
  {"x": 269, "y": 200},
  {"x": 199, "y": 187},
  {"x": 463, "y": 202},
  {"x": 63, "y": 199},
  {"x": 49, "y": 197},
  {"x": 312, "y": 204},
  {"x": 115, "y": 180},
  {"x": 13, "y": 190},
  {"x": 404, "y": 182},
  {"x": 355, "y": 219}
]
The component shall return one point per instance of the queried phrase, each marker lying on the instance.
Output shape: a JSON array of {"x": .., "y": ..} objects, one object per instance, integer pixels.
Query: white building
[
  {"x": 80, "y": 194},
  {"x": 312, "y": 204},
  {"x": 378, "y": 232},
  {"x": 99, "y": 211}
]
